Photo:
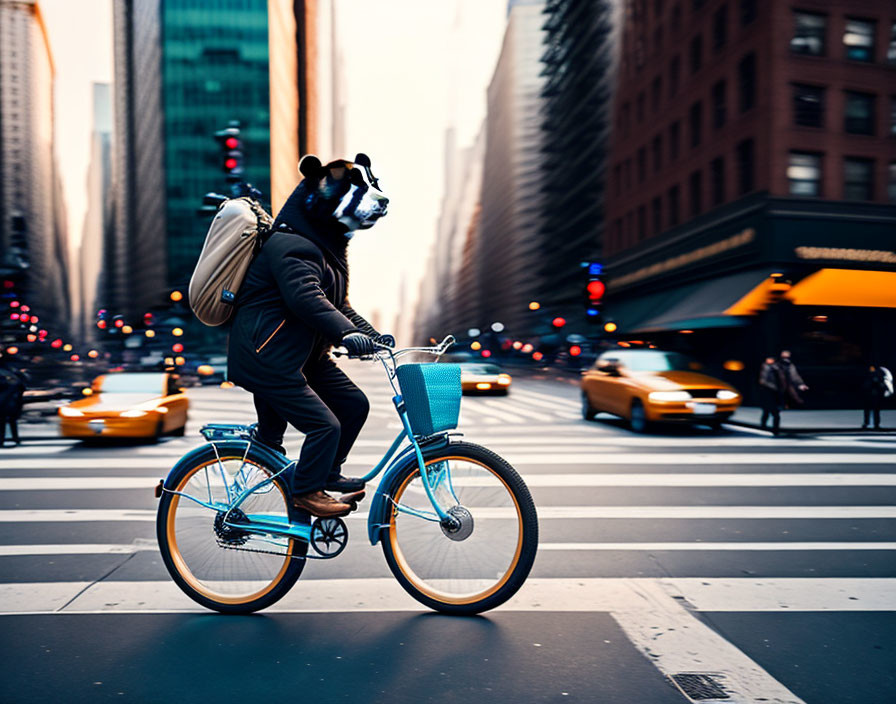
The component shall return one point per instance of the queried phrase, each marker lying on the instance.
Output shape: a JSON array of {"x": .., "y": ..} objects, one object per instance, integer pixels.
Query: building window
[
  {"x": 674, "y": 75},
  {"x": 658, "y": 39},
  {"x": 674, "y": 205},
  {"x": 808, "y": 105},
  {"x": 657, "y": 149},
  {"x": 658, "y": 7},
  {"x": 746, "y": 73},
  {"x": 893, "y": 116},
  {"x": 747, "y": 11},
  {"x": 642, "y": 164},
  {"x": 891, "y": 47},
  {"x": 695, "y": 123},
  {"x": 639, "y": 107},
  {"x": 719, "y": 104},
  {"x": 859, "y": 113},
  {"x": 657, "y": 208},
  {"x": 674, "y": 140},
  {"x": 720, "y": 27},
  {"x": 696, "y": 53},
  {"x": 745, "y": 166},
  {"x": 804, "y": 174},
  {"x": 676, "y": 18},
  {"x": 891, "y": 182},
  {"x": 656, "y": 93},
  {"x": 626, "y": 118},
  {"x": 858, "y": 183},
  {"x": 717, "y": 180},
  {"x": 696, "y": 183},
  {"x": 617, "y": 179},
  {"x": 808, "y": 33},
  {"x": 642, "y": 222},
  {"x": 858, "y": 39}
]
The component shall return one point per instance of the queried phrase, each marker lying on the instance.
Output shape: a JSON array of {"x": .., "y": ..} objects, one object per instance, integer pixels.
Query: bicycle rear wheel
[
  {"x": 221, "y": 567},
  {"x": 478, "y": 564}
]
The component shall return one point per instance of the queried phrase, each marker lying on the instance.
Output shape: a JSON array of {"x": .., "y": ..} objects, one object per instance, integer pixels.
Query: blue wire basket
[{"x": 431, "y": 394}]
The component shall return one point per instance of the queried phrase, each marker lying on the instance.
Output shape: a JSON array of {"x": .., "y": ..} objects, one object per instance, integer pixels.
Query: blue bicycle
[{"x": 456, "y": 522}]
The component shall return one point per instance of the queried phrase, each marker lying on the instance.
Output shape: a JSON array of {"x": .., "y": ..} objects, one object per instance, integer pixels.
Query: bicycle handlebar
[{"x": 438, "y": 350}]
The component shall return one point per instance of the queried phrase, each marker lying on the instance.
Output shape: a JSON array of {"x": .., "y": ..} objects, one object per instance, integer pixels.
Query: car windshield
[
  {"x": 480, "y": 368},
  {"x": 133, "y": 383},
  {"x": 656, "y": 361}
]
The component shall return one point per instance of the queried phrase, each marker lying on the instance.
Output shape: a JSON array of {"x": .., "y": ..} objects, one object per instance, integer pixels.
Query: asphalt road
[{"x": 768, "y": 565}]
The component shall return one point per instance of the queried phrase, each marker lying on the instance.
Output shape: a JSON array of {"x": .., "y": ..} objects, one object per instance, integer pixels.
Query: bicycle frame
[{"x": 237, "y": 490}]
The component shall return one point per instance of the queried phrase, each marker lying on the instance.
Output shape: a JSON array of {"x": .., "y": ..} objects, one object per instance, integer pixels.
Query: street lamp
[
  {"x": 473, "y": 332},
  {"x": 176, "y": 296},
  {"x": 534, "y": 305},
  {"x": 177, "y": 332},
  {"x": 497, "y": 327}
]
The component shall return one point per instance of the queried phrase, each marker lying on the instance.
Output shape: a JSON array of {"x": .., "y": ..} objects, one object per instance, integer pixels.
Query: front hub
[{"x": 459, "y": 524}]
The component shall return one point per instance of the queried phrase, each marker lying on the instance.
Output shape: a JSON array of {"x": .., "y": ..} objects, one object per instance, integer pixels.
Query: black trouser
[
  {"x": 770, "y": 407},
  {"x": 330, "y": 410},
  {"x": 872, "y": 406}
]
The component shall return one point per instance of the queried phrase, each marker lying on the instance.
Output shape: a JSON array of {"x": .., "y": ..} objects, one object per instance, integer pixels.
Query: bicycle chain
[{"x": 271, "y": 552}]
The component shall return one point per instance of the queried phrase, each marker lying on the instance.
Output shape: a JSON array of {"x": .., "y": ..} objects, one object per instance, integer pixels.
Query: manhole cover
[{"x": 699, "y": 687}]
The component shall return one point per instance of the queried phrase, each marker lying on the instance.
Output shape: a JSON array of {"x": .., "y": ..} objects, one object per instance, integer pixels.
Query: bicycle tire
[
  {"x": 517, "y": 572},
  {"x": 285, "y": 579}
]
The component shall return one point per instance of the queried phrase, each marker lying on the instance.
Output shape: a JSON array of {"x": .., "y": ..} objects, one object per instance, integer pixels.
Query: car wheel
[
  {"x": 180, "y": 432},
  {"x": 638, "y": 417},
  {"x": 588, "y": 413}
]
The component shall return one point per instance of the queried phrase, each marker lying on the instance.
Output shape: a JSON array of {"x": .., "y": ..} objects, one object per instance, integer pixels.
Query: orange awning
[{"x": 846, "y": 287}]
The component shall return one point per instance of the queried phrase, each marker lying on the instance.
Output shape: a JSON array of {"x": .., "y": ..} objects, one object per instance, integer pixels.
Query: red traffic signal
[
  {"x": 558, "y": 322},
  {"x": 177, "y": 348},
  {"x": 230, "y": 164},
  {"x": 231, "y": 142},
  {"x": 596, "y": 290},
  {"x": 575, "y": 351}
]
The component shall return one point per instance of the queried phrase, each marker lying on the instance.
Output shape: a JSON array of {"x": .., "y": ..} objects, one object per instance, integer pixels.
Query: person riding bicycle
[{"x": 292, "y": 307}]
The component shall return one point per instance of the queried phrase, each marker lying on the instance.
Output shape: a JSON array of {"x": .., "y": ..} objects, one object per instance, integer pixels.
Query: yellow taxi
[
  {"x": 476, "y": 377},
  {"x": 127, "y": 405},
  {"x": 647, "y": 385}
]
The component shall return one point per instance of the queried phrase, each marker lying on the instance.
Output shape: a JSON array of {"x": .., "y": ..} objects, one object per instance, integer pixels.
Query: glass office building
[{"x": 214, "y": 69}]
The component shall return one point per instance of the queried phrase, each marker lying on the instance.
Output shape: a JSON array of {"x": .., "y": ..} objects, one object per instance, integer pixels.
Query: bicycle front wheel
[
  {"x": 215, "y": 564},
  {"x": 483, "y": 558}
]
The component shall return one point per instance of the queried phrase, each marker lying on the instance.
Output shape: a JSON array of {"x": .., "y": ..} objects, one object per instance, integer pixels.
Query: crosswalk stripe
[
  {"x": 521, "y": 410},
  {"x": 372, "y": 594},
  {"x": 532, "y": 480},
  {"x": 546, "y": 398},
  {"x": 769, "y": 546},
  {"x": 522, "y": 457},
  {"x": 485, "y": 513}
]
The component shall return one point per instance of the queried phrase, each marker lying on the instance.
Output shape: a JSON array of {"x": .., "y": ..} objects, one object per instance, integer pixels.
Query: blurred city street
[{"x": 766, "y": 563}]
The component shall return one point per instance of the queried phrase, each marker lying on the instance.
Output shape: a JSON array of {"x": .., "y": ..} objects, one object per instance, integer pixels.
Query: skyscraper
[
  {"x": 183, "y": 70},
  {"x": 33, "y": 239}
]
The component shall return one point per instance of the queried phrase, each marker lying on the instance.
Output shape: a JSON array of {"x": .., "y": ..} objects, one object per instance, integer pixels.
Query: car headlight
[
  {"x": 69, "y": 412},
  {"x": 726, "y": 395},
  {"x": 669, "y": 396},
  {"x": 504, "y": 379},
  {"x": 133, "y": 414}
]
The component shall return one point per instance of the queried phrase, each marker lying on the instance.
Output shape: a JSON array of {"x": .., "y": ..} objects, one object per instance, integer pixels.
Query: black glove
[
  {"x": 358, "y": 344},
  {"x": 386, "y": 340}
]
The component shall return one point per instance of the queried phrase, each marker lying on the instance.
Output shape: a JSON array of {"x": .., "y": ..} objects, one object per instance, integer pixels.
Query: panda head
[{"x": 345, "y": 190}]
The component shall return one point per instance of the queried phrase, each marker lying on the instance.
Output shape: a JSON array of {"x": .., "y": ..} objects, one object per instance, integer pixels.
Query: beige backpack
[{"x": 231, "y": 242}]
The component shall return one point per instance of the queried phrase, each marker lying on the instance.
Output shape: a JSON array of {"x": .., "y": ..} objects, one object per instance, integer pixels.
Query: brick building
[{"x": 755, "y": 138}]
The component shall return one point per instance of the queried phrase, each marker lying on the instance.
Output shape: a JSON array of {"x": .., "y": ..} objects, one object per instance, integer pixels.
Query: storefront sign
[{"x": 710, "y": 250}]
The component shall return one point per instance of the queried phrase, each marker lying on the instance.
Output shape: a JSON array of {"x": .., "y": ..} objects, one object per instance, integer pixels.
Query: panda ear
[
  {"x": 310, "y": 166},
  {"x": 362, "y": 160}
]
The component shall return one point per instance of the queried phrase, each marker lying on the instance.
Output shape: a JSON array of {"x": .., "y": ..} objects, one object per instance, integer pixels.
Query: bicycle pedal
[{"x": 352, "y": 498}]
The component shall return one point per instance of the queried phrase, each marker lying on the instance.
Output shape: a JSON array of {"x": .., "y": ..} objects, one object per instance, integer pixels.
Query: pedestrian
[
  {"x": 875, "y": 388},
  {"x": 12, "y": 391},
  {"x": 794, "y": 384},
  {"x": 771, "y": 387},
  {"x": 291, "y": 309}
]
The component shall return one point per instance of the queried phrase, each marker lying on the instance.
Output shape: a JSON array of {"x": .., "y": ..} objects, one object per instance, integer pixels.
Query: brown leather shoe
[{"x": 321, "y": 504}]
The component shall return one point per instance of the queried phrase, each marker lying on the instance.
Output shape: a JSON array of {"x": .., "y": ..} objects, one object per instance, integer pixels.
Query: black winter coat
[{"x": 291, "y": 306}]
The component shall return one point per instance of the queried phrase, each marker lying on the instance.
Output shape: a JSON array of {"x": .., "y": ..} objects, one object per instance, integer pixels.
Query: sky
[{"x": 412, "y": 69}]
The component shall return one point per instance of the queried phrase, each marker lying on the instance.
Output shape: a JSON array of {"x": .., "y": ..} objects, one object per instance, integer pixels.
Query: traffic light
[
  {"x": 231, "y": 152},
  {"x": 594, "y": 292}
]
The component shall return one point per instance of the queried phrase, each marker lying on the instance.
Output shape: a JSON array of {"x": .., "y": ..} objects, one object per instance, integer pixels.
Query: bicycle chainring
[{"x": 329, "y": 536}]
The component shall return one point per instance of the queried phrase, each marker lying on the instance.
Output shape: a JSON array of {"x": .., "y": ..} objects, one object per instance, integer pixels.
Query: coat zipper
[{"x": 270, "y": 337}]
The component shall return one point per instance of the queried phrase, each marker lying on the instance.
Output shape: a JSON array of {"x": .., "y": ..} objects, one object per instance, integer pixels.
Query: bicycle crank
[{"x": 329, "y": 536}]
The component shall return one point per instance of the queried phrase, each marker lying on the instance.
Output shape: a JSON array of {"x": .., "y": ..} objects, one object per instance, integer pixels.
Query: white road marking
[
  {"x": 532, "y": 480},
  {"x": 483, "y": 513},
  {"x": 522, "y": 457},
  {"x": 775, "y": 546},
  {"x": 676, "y": 642},
  {"x": 502, "y": 415},
  {"x": 518, "y": 409},
  {"x": 785, "y": 594}
]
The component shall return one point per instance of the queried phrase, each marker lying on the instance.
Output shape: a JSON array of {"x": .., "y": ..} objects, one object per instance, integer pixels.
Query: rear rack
[{"x": 226, "y": 431}]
